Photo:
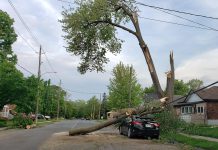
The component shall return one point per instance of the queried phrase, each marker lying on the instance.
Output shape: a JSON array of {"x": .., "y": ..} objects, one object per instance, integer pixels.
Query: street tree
[
  {"x": 195, "y": 84},
  {"x": 180, "y": 87},
  {"x": 124, "y": 89},
  {"x": 12, "y": 85},
  {"x": 93, "y": 108},
  {"x": 7, "y": 38},
  {"x": 91, "y": 32}
]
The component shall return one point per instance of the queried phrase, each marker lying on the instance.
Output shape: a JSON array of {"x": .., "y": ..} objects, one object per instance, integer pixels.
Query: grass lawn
[
  {"x": 203, "y": 131},
  {"x": 198, "y": 143}
]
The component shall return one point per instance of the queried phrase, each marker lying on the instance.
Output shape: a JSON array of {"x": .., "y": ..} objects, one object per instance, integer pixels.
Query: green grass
[
  {"x": 203, "y": 131},
  {"x": 198, "y": 143}
]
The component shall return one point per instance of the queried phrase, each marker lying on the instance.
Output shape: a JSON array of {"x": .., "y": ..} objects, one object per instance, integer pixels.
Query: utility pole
[
  {"x": 99, "y": 111},
  {"x": 130, "y": 86},
  {"x": 58, "y": 109},
  {"x": 37, "y": 94}
]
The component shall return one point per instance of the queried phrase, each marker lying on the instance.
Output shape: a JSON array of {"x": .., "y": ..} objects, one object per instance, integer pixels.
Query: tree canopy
[
  {"x": 124, "y": 89},
  {"x": 91, "y": 32},
  {"x": 12, "y": 85},
  {"x": 7, "y": 38},
  {"x": 195, "y": 84}
]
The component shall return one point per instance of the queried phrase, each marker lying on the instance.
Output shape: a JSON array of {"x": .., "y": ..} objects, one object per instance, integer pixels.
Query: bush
[
  {"x": 21, "y": 121},
  {"x": 169, "y": 122},
  {"x": 3, "y": 123}
]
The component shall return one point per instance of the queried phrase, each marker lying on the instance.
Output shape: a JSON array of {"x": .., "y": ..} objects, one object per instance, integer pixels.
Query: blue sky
[{"x": 195, "y": 50}]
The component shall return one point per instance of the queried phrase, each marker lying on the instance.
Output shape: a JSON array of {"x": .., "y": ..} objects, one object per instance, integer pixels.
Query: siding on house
[
  {"x": 212, "y": 110},
  {"x": 194, "y": 98}
]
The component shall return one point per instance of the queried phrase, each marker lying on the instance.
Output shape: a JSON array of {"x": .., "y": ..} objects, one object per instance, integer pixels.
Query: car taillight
[
  {"x": 157, "y": 125},
  {"x": 136, "y": 123}
]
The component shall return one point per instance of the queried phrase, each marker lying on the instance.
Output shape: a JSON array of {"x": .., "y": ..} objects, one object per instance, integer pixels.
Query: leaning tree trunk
[{"x": 147, "y": 56}]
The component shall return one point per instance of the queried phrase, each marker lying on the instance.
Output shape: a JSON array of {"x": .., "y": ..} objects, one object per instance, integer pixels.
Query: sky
[{"x": 195, "y": 50}]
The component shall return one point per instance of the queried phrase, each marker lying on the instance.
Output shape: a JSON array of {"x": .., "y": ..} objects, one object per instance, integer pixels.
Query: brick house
[{"x": 199, "y": 107}]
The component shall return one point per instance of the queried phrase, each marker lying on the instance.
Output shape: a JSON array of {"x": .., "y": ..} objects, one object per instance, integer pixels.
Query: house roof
[{"x": 209, "y": 94}]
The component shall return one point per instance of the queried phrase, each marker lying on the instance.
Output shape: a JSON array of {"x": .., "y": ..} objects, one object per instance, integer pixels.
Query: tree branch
[{"x": 113, "y": 24}]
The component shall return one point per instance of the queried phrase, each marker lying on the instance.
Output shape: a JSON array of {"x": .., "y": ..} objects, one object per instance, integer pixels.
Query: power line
[
  {"x": 26, "y": 42},
  {"x": 79, "y": 92},
  {"x": 25, "y": 69},
  {"x": 187, "y": 13},
  {"x": 175, "y": 23},
  {"x": 31, "y": 34},
  {"x": 187, "y": 19},
  {"x": 193, "y": 92},
  {"x": 23, "y": 22}
]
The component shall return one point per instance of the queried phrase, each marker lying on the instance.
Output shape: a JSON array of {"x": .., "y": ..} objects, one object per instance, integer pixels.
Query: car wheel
[
  {"x": 120, "y": 131},
  {"x": 130, "y": 134}
]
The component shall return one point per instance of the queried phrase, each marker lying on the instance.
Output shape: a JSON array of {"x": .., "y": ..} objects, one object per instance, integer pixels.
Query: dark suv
[{"x": 139, "y": 126}]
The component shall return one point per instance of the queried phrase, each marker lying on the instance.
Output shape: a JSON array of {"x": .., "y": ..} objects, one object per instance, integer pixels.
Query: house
[
  {"x": 199, "y": 107},
  {"x": 7, "y": 111}
]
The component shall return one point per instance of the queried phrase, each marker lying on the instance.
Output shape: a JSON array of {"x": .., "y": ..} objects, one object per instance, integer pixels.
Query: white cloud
[{"x": 203, "y": 66}]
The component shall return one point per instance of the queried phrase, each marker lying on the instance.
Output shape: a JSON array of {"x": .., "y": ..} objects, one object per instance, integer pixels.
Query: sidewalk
[{"x": 200, "y": 137}]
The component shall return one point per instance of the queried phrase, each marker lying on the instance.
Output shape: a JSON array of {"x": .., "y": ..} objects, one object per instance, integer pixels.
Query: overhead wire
[
  {"x": 193, "y": 92},
  {"x": 80, "y": 92},
  {"x": 177, "y": 11},
  {"x": 25, "y": 69},
  {"x": 175, "y": 23},
  {"x": 188, "y": 20},
  {"x": 31, "y": 34},
  {"x": 26, "y": 41}
]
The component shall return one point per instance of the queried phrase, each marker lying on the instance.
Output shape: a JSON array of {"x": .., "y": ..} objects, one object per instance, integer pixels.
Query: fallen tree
[{"x": 122, "y": 114}]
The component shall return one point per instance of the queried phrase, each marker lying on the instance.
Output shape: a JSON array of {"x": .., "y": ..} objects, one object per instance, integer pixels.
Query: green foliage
[
  {"x": 122, "y": 82},
  {"x": 195, "y": 84},
  {"x": 169, "y": 122},
  {"x": 12, "y": 85},
  {"x": 180, "y": 87},
  {"x": 3, "y": 123},
  {"x": 150, "y": 89},
  {"x": 21, "y": 121},
  {"x": 90, "y": 30},
  {"x": 7, "y": 38},
  {"x": 93, "y": 108},
  {"x": 201, "y": 130}
]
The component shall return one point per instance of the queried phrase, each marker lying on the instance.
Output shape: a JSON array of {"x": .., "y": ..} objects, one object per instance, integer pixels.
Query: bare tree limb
[{"x": 113, "y": 24}]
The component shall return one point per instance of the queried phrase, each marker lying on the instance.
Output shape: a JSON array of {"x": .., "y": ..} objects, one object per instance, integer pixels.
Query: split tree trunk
[{"x": 170, "y": 79}]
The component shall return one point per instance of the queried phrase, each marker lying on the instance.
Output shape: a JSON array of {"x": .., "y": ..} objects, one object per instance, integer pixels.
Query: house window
[
  {"x": 186, "y": 109},
  {"x": 200, "y": 110}
]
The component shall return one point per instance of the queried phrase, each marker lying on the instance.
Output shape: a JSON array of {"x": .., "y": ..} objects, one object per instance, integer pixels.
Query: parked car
[{"x": 139, "y": 126}]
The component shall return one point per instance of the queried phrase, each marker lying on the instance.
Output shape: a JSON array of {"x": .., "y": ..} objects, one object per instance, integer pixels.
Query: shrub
[
  {"x": 169, "y": 122},
  {"x": 3, "y": 122},
  {"x": 21, "y": 120}
]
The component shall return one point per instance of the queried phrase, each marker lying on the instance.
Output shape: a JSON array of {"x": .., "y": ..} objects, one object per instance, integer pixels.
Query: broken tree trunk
[
  {"x": 122, "y": 115},
  {"x": 170, "y": 79}
]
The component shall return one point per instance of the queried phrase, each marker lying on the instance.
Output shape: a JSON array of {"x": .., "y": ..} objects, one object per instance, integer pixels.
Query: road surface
[
  {"x": 32, "y": 139},
  {"x": 55, "y": 137}
]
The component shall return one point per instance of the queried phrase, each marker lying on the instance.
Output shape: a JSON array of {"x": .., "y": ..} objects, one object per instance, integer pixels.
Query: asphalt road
[{"x": 32, "y": 139}]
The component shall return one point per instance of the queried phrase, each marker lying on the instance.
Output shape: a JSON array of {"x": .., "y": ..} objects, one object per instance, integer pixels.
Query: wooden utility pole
[
  {"x": 39, "y": 76},
  {"x": 130, "y": 86},
  {"x": 58, "y": 109}
]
